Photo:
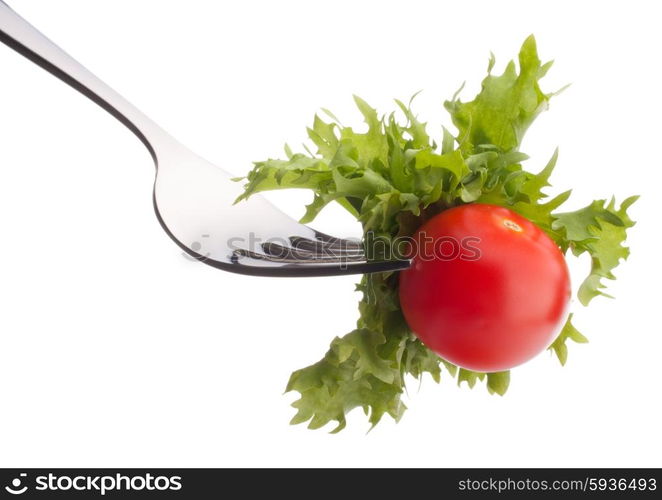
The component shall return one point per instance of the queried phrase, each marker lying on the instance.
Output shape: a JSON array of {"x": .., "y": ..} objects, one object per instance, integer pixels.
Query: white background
[{"x": 117, "y": 351}]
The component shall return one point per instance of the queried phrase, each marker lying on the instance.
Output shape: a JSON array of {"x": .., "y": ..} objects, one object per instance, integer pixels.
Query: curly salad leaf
[{"x": 392, "y": 178}]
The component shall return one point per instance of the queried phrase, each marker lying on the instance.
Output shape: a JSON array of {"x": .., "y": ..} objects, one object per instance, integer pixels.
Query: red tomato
[{"x": 487, "y": 289}]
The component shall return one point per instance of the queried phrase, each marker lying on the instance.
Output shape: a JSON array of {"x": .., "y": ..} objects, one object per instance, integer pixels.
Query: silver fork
[{"x": 193, "y": 199}]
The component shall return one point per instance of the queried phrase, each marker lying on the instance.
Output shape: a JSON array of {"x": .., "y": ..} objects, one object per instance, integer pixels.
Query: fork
[{"x": 193, "y": 198}]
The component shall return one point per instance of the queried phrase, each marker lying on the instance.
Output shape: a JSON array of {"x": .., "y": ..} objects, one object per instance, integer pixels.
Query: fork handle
[{"x": 21, "y": 36}]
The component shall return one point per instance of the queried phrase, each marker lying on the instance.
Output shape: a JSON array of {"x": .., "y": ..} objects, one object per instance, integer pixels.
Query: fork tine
[
  {"x": 291, "y": 256},
  {"x": 333, "y": 241},
  {"x": 321, "y": 247},
  {"x": 275, "y": 249},
  {"x": 245, "y": 262},
  {"x": 308, "y": 257}
]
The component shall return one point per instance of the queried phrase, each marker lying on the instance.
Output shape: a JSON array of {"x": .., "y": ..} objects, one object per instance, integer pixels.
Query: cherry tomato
[{"x": 487, "y": 289}]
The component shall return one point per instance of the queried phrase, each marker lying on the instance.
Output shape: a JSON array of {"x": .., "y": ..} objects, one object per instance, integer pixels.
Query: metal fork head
[{"x": 194, "y": 202}]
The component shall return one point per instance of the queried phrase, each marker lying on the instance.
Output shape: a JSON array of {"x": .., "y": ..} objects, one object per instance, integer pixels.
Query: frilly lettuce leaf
[
  {"x": 569, "y": 332},
  {"x": 394, "y": 176}
]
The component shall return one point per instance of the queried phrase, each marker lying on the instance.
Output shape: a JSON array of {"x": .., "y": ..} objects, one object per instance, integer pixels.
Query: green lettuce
[{"x": 393, "y": 177}]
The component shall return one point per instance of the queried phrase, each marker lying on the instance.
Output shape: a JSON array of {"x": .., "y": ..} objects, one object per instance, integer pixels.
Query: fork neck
[{"x": 21, "y": 36}]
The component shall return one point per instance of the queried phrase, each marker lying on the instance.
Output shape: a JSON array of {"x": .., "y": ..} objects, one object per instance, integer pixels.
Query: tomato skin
[{"x": 492, "y": 301}]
